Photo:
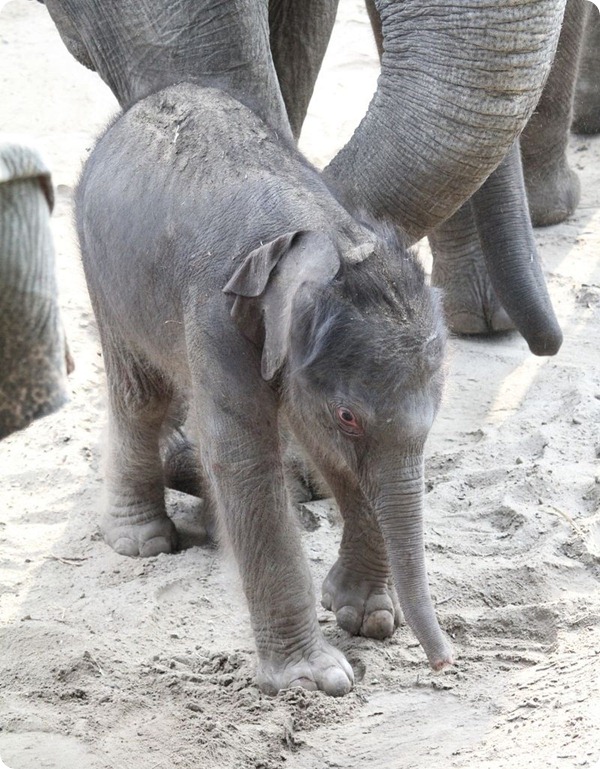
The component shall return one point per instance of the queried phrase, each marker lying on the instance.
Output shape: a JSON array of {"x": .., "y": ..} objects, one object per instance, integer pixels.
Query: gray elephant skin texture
[
  {"x": 33, "y": 355},
  {"x": 461, "y": 77},
  {"x": 224, "y": 274}
]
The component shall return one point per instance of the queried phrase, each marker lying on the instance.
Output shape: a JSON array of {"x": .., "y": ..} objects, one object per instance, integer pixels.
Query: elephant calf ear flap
[{"x": 249, "y": 282}]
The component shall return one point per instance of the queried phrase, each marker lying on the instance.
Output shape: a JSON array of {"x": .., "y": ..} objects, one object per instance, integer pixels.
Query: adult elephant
[
  {"x": 458, "y": 83},
  {"x": 33, "y": 354}
]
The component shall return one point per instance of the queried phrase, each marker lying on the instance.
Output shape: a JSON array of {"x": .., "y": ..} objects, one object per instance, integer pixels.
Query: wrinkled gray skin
[
  {"x": 492, "y": 235},
  {"x": 494, "y": 228},
  {"x": 238, "y": 284},
  {"x": 33, "y": 353},
  {"x": 454, "y": 76},
  {"x": 587, "y": 93}
]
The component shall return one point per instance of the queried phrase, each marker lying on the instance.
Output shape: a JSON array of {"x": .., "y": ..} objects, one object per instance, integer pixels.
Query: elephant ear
[{"x": 265, "y": 285}]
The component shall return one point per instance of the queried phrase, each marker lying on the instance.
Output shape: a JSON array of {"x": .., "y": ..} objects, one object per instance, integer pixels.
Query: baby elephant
[{"x": 225, "y": 275}]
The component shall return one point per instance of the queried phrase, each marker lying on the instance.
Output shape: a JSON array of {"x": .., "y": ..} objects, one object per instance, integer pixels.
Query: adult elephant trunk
[
  {"x": 398, "y": 504},
  {"x": 458, "y": 83},
  {"x": 508, "y": 244}
]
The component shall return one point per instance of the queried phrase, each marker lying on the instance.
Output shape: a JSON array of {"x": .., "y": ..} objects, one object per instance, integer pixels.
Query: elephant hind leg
[
  {"x": 181, "y": 464},
  {"x": 183, "y": 472},
  {"x": 587, "y": 92},
  {"x": 135, "y": 520}
]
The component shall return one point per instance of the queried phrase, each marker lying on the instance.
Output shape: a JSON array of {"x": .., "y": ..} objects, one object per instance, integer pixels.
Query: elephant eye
[{"x": 347, "y": 421}]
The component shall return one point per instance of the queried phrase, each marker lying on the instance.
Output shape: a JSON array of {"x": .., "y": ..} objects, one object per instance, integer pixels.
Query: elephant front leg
[
  {"x": 243, "y": 463},
  {"x": 135, "y": 520},
  {"x": 359, "y": 588}
]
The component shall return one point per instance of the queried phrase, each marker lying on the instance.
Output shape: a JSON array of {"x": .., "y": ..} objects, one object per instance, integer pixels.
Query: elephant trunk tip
[
  {"x": 545, "y": 343},
  {"x": 440, "y": 655},
  {"x": 442, "y": 663}
]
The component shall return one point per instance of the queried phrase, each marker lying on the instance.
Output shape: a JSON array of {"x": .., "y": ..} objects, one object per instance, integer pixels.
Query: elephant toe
[
  {"x": 363, "y": 605},
  {"x": 125, "y": 546},
  {"x": 379, "y": 624},
  {"x": 349, "y": 619},
  {"x": 144, "y": 539}
]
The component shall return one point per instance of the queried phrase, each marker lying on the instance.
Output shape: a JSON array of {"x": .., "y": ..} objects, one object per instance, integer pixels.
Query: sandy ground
[{"x": 107, "y": 661}]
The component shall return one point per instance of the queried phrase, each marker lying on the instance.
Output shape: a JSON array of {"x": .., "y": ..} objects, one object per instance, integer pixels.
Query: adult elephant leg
[
  {"x": 139, "y": 47},
  {"x": 552, "y": 186},
  {"x": 471, "y": 305},
  {"x": 587, "y": 91},
  {"x": 299, "y": 34},
  {"x": 375, "y": 25},
  {"x": 508, "y": 244}
]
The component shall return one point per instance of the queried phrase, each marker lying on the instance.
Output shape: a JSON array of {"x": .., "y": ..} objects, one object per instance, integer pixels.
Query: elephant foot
[
  {"x": 470, "y": 303},
  {"x": 321, "y": 666},
  {"x": 363, "y": 604},
  {"x": 553, "y": 193},
  {"x": 146, "y": 538}
]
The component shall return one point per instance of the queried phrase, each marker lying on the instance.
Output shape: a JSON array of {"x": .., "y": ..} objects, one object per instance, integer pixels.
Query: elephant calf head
[{"x": 358, "y": 339}]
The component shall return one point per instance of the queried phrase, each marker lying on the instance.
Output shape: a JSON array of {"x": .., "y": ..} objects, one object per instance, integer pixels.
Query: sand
[{"x": 107, "y": 661}]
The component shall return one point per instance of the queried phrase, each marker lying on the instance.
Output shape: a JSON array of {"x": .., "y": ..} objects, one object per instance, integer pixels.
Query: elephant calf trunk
[{"x": 400, "y": 517}]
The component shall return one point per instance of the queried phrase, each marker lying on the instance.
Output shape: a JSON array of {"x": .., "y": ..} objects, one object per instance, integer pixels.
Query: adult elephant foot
[
  {"x": 553, "y": 192},
  {"x": 364, "y": 603},
  {"x": 316, "y": 666},
  {"x": 459, "y": 269}
]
